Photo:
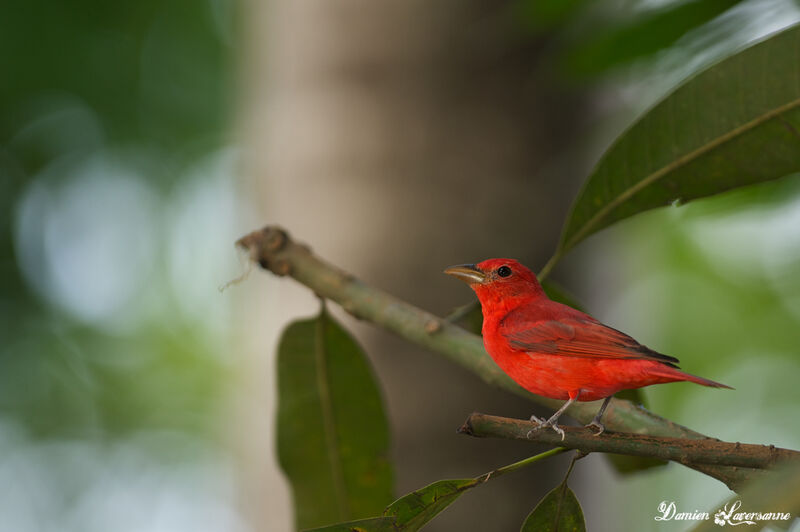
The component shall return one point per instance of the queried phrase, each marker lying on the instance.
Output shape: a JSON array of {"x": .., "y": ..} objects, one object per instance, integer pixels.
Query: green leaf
[
  {"x": 625, "y": 464},
  {"x": 643, "y": 36},
  {"x": 635, "y": 396},
  {"x": 410, "y": 512},
  {"x": 469, "y": 317},
  {"x": 558, "y": 511},
  {"x": 372, "y": 524},
  {"x": 541, "y": 15},
  {"x": 556, "y": 292},
  {"x": 333, "y": 436},
  {"x": 735, "y": 124},
  {"x": 418, "y": 507}
]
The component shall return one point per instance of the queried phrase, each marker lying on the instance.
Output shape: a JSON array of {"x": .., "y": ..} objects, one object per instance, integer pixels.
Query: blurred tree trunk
[{"x": 397, "y": 138}]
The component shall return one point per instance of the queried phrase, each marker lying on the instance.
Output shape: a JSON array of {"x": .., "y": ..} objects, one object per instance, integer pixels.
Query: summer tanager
[{"x": 555, "y": 351}]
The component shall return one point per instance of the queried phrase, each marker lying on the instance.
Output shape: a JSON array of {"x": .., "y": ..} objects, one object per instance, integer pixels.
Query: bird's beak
[{"x": 469, "y": 273}]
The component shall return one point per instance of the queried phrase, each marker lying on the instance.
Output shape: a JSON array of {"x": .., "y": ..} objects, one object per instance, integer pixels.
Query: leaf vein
[{"x": 328, "y": 418}]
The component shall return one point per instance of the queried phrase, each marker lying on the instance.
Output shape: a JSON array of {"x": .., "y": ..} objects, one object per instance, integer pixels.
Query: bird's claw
[
  {"x": 542, "y": 423},
  {"x": 599, "y": 426}
]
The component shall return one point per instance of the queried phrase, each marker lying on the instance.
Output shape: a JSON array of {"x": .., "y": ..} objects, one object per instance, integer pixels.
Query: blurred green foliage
[
  {"x": 82, "y": 79},
  {"x": 155, "y": 73},
  {"x": 616, "y": 43},
  {"x": 112, "y": 377}
]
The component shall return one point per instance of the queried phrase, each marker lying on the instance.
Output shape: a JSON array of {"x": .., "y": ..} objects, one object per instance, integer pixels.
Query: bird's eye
[{"x": 503, "y": 271}]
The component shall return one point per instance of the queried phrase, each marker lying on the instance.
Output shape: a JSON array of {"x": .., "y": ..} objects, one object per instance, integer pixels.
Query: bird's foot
[
  {"x": 596, "y": 424},
  {"x": 542, "y": 423},
  {"x": 558, "y": 430}
]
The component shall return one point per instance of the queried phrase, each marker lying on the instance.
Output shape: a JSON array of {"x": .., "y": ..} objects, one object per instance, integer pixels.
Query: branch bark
[
  {"x": 689, "y": 452},
  {"x": 273, "y": 249}
]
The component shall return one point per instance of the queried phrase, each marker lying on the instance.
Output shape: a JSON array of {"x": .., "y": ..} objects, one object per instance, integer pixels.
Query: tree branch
[
  {"x": 682, "y": 450},
  {"x": 274, "y": 250}
]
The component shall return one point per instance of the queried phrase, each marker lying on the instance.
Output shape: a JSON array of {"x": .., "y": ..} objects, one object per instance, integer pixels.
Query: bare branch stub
[{"x": 264, "y": 245}]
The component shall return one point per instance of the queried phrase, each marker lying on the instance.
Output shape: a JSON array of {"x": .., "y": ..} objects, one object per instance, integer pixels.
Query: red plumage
[{"x": 555, "y": 351}]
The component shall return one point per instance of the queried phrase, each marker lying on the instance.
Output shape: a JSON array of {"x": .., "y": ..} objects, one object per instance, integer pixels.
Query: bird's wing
[{"x": 578, "y": 338}]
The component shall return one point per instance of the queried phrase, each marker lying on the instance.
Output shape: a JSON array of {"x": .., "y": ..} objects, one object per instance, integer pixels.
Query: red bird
[{"x": 556, "y": 351}]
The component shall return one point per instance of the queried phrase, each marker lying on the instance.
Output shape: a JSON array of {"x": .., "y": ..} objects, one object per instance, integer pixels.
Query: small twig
[
  {"x": 577, "y": 456},
  {"x": 684, "y": 451},
  {"x": 522, "y": 463}
]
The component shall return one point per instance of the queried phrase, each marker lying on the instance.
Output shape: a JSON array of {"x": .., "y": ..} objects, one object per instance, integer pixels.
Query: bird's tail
[{"x": 678, "y": 375}]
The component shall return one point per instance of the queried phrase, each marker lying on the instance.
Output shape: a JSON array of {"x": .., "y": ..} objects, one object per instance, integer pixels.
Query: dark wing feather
[{"x": 580, "y": 338}]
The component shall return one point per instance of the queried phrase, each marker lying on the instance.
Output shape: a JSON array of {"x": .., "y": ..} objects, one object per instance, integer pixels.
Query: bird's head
[{"x": 498, "y": 280}]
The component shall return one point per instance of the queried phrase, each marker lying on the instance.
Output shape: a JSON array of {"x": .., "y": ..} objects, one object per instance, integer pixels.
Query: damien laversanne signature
[{"x": 727, "y": 515}]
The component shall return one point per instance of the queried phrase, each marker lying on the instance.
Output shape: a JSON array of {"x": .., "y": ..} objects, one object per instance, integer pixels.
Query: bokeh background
[{"x": 137, "y": 142}]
